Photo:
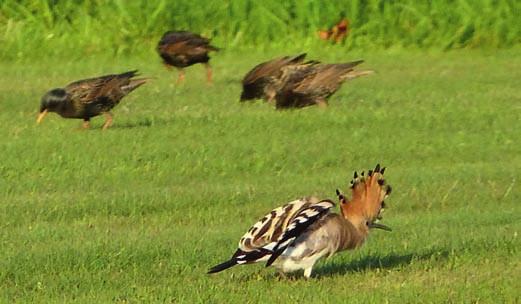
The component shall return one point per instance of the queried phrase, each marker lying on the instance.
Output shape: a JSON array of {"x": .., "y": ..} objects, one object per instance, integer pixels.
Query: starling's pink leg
[
  {"x": 181, "y": 76},
  {"x": 208, "y": 73},
  {"x": 167, "y": 66},
  {"x": 108, "y": 120}
]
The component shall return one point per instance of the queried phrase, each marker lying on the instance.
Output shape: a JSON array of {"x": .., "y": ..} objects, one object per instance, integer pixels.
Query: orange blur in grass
[{"x": 337, "y": 33}]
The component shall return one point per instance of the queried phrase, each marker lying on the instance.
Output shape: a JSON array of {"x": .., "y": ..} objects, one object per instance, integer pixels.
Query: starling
[
  {"x": 182, "y": 49},
  {"x": 259, "y": 82},
  {"x": 313, "y": 83},
  {"x": 91, "y": 97}
]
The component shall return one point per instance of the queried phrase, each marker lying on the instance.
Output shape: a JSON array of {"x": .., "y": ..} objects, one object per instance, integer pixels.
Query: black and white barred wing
[
  {"x": 258, "y": 243},
  {"x": 297, "y": 226},
  {"x": 271, "y": 227}
]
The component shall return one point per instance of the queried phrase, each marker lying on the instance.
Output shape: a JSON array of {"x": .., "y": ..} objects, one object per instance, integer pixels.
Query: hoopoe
[{"x": 296, "y": 235}]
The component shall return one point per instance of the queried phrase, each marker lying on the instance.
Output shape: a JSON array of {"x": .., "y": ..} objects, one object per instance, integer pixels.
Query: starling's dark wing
[
  {"x": 117, "y": 87},
  {"x": 302, "y": 220},
  {"x": 108, "y": 87},
  {"x": 173, "y": 37},
  {"x": 264, "y": 79},
  {"x": 313, "y": 83},
  {"x": 292, "y": 77},
  {"x": 258, "y": 243},
  {"x": 183, "y": 42},
  {"x": 271, "y": 68},
  {"x": 325, "y": 80},
  {"x": 81, "y": 91},
  {"x": 198, "y": 41}
]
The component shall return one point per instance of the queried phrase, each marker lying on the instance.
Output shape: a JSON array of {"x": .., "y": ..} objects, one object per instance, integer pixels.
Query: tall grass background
[{"x": 57, "y": 28}]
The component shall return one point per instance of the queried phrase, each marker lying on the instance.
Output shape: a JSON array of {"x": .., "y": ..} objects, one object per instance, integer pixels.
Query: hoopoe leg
[
  {"x": 86, "y": 123},
  {"x": 281, "y": 275},
  {"x": 307, "y": 272},
  {"x": 181, "y": 76},
  {"x": 208, "y": 73},
  {"x": 108, "y": 120}
]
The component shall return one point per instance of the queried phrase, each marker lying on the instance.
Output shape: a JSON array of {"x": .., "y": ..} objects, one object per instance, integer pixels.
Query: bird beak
[
  {"x": 41, "y": 116},
  {"x": 379, "y": 226}
]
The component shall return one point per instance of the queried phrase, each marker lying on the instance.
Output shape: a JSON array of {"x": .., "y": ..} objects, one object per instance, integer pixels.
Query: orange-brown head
[{"x": 368, "y": 193}]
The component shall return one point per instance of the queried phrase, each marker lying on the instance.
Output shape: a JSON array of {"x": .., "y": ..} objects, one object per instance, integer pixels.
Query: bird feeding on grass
[
  {"x": 91, "y": 97},
  {"x": 312, "y": 83},
  {"x": 259, "y": 82},
  {"x": 296, "y": 235},
  {"x": 181, "y": 49}
]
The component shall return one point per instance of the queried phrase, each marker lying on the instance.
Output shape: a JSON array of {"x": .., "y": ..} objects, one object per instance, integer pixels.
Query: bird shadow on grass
[
  {"x": 373, "y": 262},
  {"x": 366, "y": 263},
  {"x": 143, "y": 123}
]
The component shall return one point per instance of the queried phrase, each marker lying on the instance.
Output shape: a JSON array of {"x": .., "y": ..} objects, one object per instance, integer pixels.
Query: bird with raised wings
[
  {"x": 91, "y": 97},
  {"x": 182, "y": 49},
  {"x": 312, "y": 83},
  {"x": 259, "y": 82},
  {"x": 296, "y": 235}
]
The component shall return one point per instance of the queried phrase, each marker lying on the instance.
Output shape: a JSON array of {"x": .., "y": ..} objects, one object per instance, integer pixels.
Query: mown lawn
[{"x": 140, "y": 212}]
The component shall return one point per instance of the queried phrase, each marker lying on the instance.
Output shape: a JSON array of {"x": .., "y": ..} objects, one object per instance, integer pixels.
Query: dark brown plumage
[
  {"x": 91, "y": 97},
  {"x": 182, "y": 49},
  {"x": 313, "y": 83},
  {"x": 258, "y": 83}
]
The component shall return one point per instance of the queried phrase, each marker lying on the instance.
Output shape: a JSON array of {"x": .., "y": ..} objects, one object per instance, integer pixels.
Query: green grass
[
  {"x": 60, "y": 28},
  {"x": 139, "y": 213}
]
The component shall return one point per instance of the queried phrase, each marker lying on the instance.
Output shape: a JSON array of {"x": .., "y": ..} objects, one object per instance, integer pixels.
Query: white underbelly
[{"x": 293, "y": 259}]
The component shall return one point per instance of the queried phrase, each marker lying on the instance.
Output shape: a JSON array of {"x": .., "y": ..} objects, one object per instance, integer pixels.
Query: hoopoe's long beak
[
  {"x": 379, "y": 226},
  {"x": 41, "y": 116}
]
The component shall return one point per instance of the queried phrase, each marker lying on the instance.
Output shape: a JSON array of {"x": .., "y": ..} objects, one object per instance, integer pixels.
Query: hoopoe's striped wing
[
  {"x": 257, "y": 244},
  {"x": 298, "y": 225},
  {"x": 271, "y": 227}
]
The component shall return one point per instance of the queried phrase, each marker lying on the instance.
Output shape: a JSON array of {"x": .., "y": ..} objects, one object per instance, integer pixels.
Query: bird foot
[{"x": 85, "y": 125}]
